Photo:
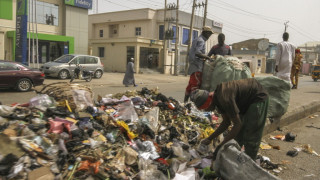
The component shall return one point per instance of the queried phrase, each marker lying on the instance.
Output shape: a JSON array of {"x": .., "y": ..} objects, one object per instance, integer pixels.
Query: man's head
[
  {"x": 285, "y": 36},
  {"x": 207, "y": 31},
  {"x": 202, "y": 99},
  {"x": 132, "y": 59},
  {"x": 221, "y": 39}
]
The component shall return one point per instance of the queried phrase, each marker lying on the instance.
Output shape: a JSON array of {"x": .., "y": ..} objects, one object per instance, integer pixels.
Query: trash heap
[{"x": 63, "y": 133}]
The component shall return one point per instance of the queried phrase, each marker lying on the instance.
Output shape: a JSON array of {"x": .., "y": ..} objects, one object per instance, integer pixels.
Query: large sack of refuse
[
  {"x": 279, "y": 95},
  {"x": 231, "y": 164},
  {"x": 223, "y": 69}
]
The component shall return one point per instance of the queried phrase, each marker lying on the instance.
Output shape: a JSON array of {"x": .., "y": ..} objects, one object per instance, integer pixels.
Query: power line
[{"x": 272, "y": 19}]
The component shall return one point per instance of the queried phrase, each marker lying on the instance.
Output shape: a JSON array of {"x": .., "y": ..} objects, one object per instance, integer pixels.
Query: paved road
[
  {"x": 304, "y": 165},
  {"x": 111, "y": 83}
]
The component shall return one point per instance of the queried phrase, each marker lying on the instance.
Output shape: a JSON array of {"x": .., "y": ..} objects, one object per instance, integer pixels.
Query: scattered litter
[
  {"x": 62, "y": 133},
  {"x": 277, "y": 137},
  {"x": 290, "y": 137},
  {"x": 307, "y": 148},
  {"x": 292, "y": 153}
]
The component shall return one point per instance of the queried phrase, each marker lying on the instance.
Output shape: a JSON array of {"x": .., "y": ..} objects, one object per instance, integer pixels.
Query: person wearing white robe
[{"x": 284, "y": 57}]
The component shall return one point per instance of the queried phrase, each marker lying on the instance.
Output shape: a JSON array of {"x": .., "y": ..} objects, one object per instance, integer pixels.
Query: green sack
[
  {"x": 279, "y": 94},
  {"x": 223, "y": 69}
]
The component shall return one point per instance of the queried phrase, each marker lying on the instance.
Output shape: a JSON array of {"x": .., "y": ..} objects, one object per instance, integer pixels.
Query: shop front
[{"x": 50, "y": 46}]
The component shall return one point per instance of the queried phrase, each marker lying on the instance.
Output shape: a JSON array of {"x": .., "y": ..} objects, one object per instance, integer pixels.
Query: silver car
[{"x": 63, "y": 66}]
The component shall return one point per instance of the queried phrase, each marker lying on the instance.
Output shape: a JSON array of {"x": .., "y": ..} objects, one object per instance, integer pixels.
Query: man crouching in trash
[{"x": 244, "y": 103}]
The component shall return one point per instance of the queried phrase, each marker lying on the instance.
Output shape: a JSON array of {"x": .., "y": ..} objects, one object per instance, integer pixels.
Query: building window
[
  {"x": 6, "y": 9},
  {"x": 185, "y": 36},
  {"x": 259, "y": 62},
  {"x": 138, "y": 31},
  {"x": 46, "y": 13},
  {"x": 161, "y": 32},
  {"x": 113, "y": 30},
  {"x": 101, "y": 51},
  {"x": 130, "y": 52},
  {"x": 195, "y": 34},
  {"x": 174, "y": 34},
  {"x": 101, "y": 33}
]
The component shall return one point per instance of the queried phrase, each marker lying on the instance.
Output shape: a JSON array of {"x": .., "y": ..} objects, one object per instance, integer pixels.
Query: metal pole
[
  {"x": 205, "y": 13},
  {"x": 33, "y": 33},
  {"x": 177, "y": 41},
  {"x": 29, "y": 40},
  {"x": 164, "y": 37},
  {"x": 37, "y": 41},
  {"x": 190, "y": 39}
]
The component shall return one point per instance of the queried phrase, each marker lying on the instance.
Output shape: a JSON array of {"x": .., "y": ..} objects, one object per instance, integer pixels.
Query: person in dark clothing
[
  {"x": 129, "y": 76},
  {"x": 244, "y": 103},
  {"x": 221, "y": 48}
]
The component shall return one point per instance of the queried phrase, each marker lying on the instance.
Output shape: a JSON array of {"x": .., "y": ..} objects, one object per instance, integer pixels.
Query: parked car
[
  {"x": 19, "y": 76},
  {"x": 64, "y": 66}
]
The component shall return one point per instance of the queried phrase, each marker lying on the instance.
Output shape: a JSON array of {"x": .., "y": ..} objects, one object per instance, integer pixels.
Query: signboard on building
[
  {"x": 21, "y": 32},
  {"x": 217, "y": 24},
  {"x": 87, "y": 4}
]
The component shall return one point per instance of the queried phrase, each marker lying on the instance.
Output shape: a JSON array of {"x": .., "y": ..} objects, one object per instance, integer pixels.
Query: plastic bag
[
  {"x": 6, "y": 110},
  {"x": 223, "y": 69},
  {"x": 82, "y": 99},
  {"x": 149, "y": 170},
  {"x": 42, "y": 102},
  {"x": 126, "y": 112},
  {"x": 231, "y": 163}
]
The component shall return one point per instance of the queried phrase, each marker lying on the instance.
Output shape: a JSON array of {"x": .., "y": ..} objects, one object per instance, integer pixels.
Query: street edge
[{"x": 292, "y": 116}]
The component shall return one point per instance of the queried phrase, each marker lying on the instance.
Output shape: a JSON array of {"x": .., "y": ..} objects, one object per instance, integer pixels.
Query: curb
[{"x": 292, "y": 116}]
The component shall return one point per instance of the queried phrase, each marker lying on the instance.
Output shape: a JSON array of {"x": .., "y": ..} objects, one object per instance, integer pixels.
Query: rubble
[{"x": 63, "y": 133}]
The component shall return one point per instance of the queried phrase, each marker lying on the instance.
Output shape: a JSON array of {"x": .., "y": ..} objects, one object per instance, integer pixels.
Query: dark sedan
[{"x": 19, "y": 76}]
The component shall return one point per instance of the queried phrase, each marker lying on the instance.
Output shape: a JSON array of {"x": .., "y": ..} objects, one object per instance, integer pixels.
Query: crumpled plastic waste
[{"x": 130, "y": 135}]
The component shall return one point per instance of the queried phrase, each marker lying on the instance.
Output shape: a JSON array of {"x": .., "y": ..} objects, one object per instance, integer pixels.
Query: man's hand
[
  {"x": 206, "y": 141},
  {"x": 276, "y": 69}
]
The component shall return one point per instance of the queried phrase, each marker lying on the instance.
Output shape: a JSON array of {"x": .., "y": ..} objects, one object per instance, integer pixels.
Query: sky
[{"x": 243, "y": 19}]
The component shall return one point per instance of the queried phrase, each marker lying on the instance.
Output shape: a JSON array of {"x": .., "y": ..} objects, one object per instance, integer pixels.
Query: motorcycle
[{"x": 80, "y": 73}]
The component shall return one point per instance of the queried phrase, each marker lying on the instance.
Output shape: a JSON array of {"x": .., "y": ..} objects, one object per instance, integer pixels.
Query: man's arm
[
  {"x": 235, "y": 129},
  {"x": 223, "y": 126},
  {"x": 211, "y": 51}
]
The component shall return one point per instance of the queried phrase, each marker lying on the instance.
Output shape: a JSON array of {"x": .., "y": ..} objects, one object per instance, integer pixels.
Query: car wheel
[
  {"x": 24, "y": 85},
  {"x": 63, "y": 74},
  {"x": 98, "y": 74},
  {"x": 315, "y": 79}
]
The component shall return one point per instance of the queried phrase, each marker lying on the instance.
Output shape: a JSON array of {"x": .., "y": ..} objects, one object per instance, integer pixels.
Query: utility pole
[
  {"x": 285, "y": 26},
  {"x": 205, "y": 13},
  {"x": 177, "y": 41},
  {"x": 164, "y": 37},
  {"x": 190, "y": 39}
]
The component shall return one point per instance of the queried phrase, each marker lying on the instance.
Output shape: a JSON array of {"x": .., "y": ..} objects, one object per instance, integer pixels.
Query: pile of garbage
[{"x": 63, "y": 133}]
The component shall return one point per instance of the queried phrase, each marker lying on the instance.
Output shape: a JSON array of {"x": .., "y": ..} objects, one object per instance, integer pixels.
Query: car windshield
[
  {"x": 316, "y": 68},
  {"x": 64, "y": 59}
]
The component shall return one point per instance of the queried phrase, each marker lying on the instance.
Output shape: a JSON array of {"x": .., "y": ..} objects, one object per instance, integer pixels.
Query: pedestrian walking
[
  {"x": 129, "y": 75},
  {"x": 296, "y": 66},
  {"x": 197, "y": 57},
  {"x": 244, "y": 103},
  {"x": 221, "y": 48},
  {"x": 284, "y": 56}
]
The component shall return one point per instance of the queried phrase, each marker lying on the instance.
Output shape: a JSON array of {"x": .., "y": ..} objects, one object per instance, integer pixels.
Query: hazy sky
[{"x": 244, "y": 19}]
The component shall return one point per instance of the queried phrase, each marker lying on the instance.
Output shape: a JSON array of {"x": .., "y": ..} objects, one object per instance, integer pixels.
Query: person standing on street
[
  {"x": 244, "y": 103},
  {"x": 129, "y": 76},
  {"x": 197, "y": 57},
  {"x": 284, "y": 57},
  {"x": 221, "y": 48},
  {"x": 296, "y": 69}
]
